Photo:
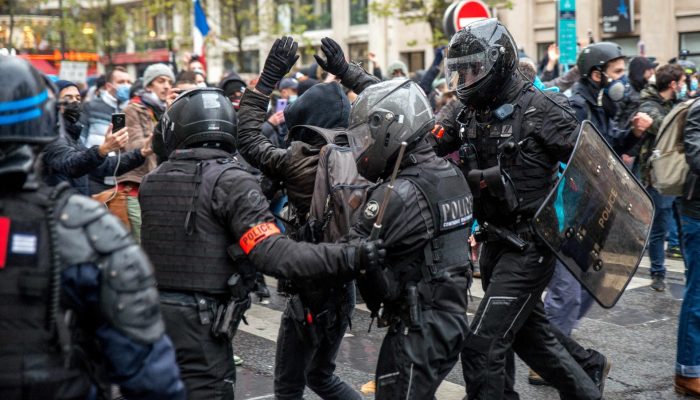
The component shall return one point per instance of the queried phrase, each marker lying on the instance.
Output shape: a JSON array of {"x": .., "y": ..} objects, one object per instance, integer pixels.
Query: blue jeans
[
  {"x": 688, "y": 355},
  {"x": 673, "y": 240},
  {"x": 663, "y": 217},
  {"x": 566, "y": 301}
]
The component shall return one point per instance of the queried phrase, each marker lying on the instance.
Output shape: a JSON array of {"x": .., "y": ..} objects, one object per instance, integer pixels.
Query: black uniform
[
  {"x": 425, "y": 228},
  {"x": 511, "y": 162},
  {"x": 428, "y": 252}
]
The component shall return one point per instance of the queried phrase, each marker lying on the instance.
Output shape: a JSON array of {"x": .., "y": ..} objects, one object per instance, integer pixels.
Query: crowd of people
[{"x": 335, "y": 180}]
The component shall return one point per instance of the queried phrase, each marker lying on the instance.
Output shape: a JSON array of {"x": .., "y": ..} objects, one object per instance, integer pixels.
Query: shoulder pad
[
  {"x": 80, "y": 210},
  {"x": 128, "y": 295},
  {"x": 86, "y": 231}
]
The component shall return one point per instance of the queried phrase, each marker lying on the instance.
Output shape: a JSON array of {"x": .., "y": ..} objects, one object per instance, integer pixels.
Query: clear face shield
[{"x": 463, "y": 72}]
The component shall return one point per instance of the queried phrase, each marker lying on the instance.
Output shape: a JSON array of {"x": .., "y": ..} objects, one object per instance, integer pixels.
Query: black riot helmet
[
  {"x": 480, "y": 59},
  {"x": 28, "y": 104},
  {"x": 594, "y": 57},
  {"x": 196, "y": 117},
  {"x": 383, "y": 116}
]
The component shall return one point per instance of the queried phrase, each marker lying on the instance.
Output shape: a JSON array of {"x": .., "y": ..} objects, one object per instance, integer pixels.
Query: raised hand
[
  {"x": 335, "y": 62},
  {"x": 280, "y": 59},
  {"x": 113, "y": 141}
]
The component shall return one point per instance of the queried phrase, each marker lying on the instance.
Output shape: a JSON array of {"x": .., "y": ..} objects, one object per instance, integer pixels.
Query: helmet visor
[
  {"x": 359, "y": 140},
  {"x": 464, "y": 71}
]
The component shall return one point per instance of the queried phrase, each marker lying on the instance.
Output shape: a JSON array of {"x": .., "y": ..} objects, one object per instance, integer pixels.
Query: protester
[
  {"x": 687, "y": 379},
  {"x": 68, "y": 159},
  {"x": 657, "y": 100}
]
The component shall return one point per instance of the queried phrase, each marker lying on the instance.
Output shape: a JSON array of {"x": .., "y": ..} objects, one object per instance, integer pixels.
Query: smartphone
[
  {"x": 281, "y": 105},
  {"x": 118, "y": 121}
]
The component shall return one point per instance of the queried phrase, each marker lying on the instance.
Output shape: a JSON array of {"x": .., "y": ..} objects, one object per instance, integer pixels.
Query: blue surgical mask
[
  {"x": 693, "y": 84},
  {"x": 293, "y": 98},
  {"x": 122, "y": 94},
  {"x": 684, "y": 92}
]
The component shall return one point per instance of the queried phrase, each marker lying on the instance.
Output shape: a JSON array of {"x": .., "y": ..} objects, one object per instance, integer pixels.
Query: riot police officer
[
  {"x": 425, "y": 226},
  {"x": 207, "y": 228},
  {"x": 511, "y": 141},
  {"x": 78, "y": 296}
]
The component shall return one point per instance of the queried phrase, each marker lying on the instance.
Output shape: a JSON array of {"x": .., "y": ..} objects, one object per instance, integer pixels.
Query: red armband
[{"x": 257, "y": 234}]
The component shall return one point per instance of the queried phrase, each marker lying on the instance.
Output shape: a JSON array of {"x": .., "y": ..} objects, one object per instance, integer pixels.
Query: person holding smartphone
[{"x": 68, "y": 159}]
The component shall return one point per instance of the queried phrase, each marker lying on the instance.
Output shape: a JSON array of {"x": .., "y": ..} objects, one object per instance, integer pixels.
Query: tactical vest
[
  {"x": 184, "y": 240},
  {"x": 446, "y": 255},
  {"x": 30, "y": 354},
  {"x": 532, "y": 173}
]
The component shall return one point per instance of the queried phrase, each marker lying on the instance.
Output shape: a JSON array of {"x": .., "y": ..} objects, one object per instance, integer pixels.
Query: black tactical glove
[
  {"x": 370, "y": 256},
  {"x": 335, "y": 58},
  {"x": 280, "y": 59}
]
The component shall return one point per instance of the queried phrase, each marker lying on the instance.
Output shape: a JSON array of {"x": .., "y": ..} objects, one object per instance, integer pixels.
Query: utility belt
[
  {"x": 519, "y": 236},
  {"x": 223, "y": 314}
]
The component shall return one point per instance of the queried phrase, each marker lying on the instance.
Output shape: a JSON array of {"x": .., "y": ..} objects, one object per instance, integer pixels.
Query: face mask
[
  {"x": 693, "y": 85},
  {"x": 202, "y": 84},
  {"x": 122, "y": 94},
  {"x": 616, "y": 89},
  {"x": 293, "y": 98},
  {"x": 71, "y": 112},
  {"x": 684, "y": 92}
]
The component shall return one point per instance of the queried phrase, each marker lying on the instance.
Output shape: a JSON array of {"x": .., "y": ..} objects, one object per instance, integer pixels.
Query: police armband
[
  {"x": 128, "y": 296},
  {"x": 257, "y": 234}
]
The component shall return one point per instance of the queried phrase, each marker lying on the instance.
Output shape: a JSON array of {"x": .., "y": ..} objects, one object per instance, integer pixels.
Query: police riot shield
[{"x": 597, "y": 219}]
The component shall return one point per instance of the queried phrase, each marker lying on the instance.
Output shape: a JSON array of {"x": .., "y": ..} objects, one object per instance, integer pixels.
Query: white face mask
[{"x": 202, "y": 84}]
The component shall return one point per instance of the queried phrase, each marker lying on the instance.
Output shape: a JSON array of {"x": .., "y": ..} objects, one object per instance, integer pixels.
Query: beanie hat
[
  {"x": 397, "y": 65},
  {"x": 62, "y": 84},
  {"x": 155, "y": 70}
]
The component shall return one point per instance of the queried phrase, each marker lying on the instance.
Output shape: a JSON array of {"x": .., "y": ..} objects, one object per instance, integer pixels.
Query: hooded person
[
  {"x": 640, "y": 70},
  {"x": 233, "y": 87},
  {"x": 300, "y": 362}
]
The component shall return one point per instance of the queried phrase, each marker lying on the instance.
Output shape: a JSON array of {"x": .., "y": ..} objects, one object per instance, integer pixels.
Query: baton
[{"x": 377, "y": 227}]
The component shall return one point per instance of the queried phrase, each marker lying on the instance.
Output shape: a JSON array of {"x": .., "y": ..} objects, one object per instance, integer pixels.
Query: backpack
[
  {"x": 667, "y": 165},
  {"x": 339, "y": 190},
  {"x": 339, "y": 193}
]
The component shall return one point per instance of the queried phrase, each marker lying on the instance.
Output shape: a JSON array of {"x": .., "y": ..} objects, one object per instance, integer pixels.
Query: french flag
[{"x": 200, "y": 28}]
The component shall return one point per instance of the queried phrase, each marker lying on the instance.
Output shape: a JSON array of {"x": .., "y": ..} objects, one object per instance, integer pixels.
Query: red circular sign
[{"x": 469, "y": 11}]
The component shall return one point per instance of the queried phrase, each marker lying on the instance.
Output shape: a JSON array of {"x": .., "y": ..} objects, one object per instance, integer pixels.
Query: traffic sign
[
  {"x": 467, "y": 12},
  {"x": 462, "y": 13}
]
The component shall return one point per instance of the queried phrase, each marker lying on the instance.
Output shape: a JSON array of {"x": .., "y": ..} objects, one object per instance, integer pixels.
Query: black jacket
[
  {"x": 690, "y": 203},
  {"x": 67, "y": 159},
  {"x": 547, "y": 131},
  {"x": 584, "y": 102},
  {"x": 239, "y": 205}
]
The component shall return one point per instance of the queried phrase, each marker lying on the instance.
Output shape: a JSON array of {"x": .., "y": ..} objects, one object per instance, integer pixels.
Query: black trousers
[
  {"x": 299, "y": 363},
  {"x": 413, "y": 363},
  {"x": 511, "y": 316},
  {"x": 206, "y": 363}
]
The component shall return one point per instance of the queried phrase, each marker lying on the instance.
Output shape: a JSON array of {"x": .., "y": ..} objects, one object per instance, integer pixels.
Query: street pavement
[{"x": 638, "y": 335}]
